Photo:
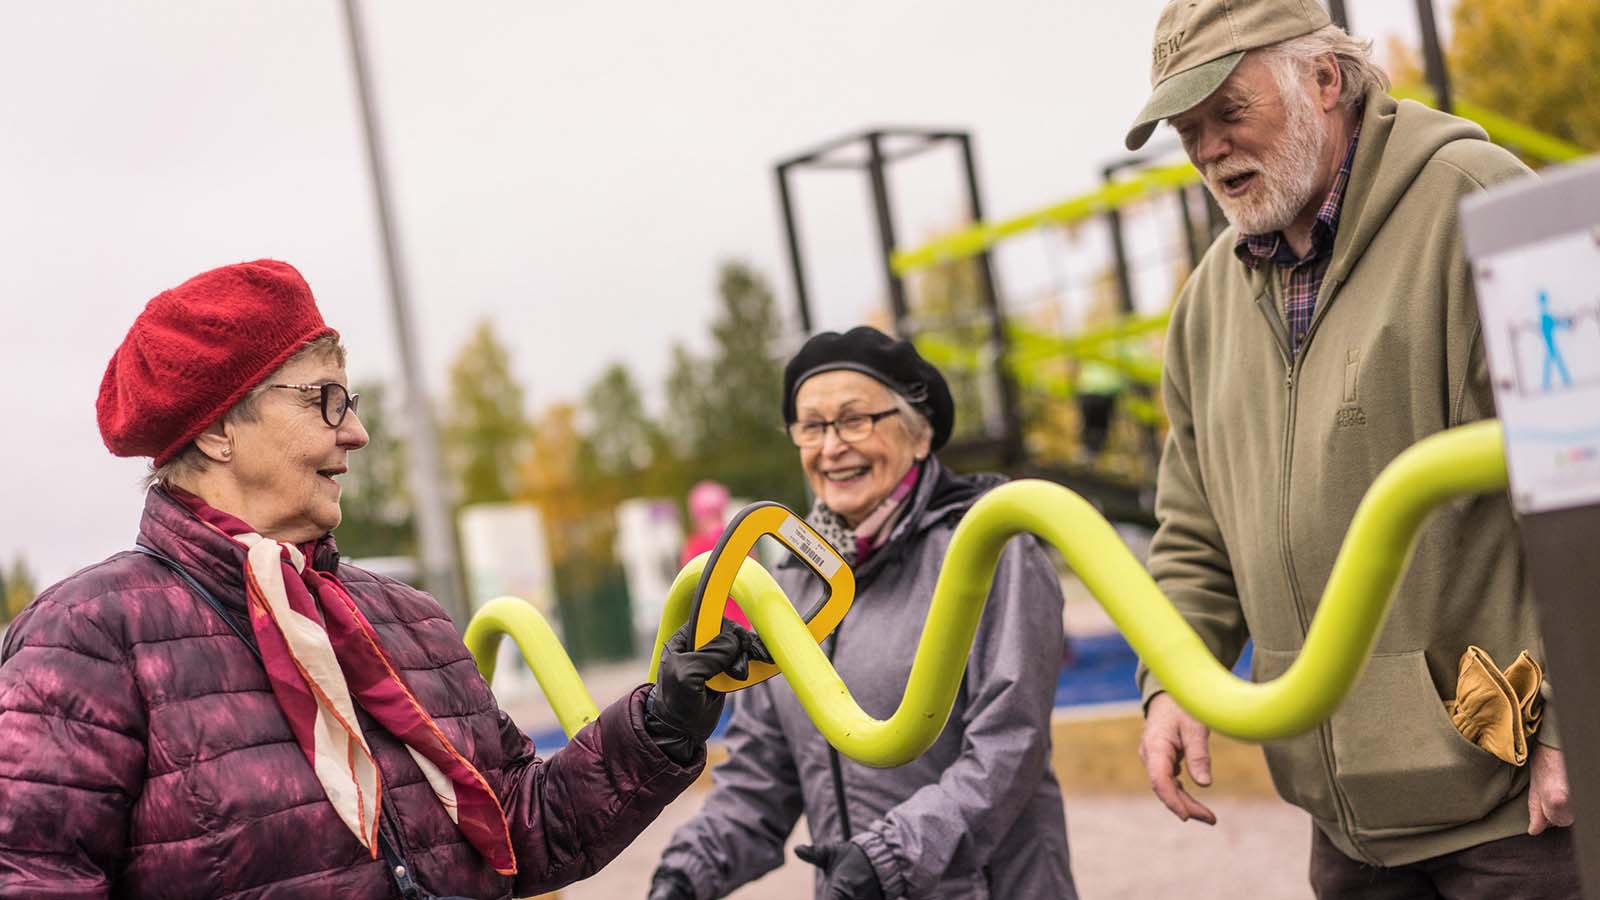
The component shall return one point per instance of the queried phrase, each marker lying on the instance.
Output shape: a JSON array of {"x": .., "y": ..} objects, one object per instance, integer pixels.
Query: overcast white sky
[{"x": 573, "y": 172}]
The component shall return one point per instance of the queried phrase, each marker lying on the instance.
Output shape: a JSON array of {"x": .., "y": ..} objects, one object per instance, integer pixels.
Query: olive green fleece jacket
[{"x": 1268, "y": 456}]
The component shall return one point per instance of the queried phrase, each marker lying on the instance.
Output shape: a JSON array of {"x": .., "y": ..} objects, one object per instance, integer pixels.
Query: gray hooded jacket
[{"x": 979, "y": 814}]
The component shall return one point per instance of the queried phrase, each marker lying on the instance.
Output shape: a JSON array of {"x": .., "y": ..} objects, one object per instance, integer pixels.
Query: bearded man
[{"x": 1329, "y": 328}]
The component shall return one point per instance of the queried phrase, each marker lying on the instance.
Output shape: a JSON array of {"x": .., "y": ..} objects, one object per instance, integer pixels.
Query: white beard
[{"x": 1286, "y": 173}]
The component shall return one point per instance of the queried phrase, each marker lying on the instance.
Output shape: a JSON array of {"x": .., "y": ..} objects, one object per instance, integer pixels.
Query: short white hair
[
  {"x": 913, "y": 420},
  {"x": 1358, "y": 73}
]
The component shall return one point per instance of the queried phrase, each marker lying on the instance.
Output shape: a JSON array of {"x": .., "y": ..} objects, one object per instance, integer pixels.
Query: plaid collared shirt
[{"x": 1302, "y": 276}]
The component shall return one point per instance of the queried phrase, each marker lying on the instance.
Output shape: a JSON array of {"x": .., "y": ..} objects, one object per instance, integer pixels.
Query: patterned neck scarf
[
  {"x": 322, "y": 656},
  {"x": 858, "y": 543}
]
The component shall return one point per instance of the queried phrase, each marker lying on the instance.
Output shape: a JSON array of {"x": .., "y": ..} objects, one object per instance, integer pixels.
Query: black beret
[{"x": 869, "y": 351}]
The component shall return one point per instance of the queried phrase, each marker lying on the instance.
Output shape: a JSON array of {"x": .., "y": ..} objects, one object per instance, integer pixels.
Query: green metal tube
[
  {"x": 551, "y": 665},
  {"x": 558, "y": 678},
  {"x": 1462, "y": 461}
]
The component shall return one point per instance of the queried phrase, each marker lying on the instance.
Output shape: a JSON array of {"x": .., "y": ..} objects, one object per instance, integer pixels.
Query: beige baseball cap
[{"x": 1199, "y": 42}]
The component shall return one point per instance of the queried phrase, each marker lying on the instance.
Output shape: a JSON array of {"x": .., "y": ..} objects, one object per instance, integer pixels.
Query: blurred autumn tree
[
  {"x": 378, "y": 512},
  {"x": 723, "y": 420},
  {"x": 736, "y": 418},
  {"x": 558, "y": 476},
  {"x": 551, "y": 478},
  {"x": 1532, "y": 61},
  {"x": 688, "y": 403},
  {"x": 622, "y": 439},
  {"x": 18, "y": 590},
  {"x": 723, "y": 413},
  {"x": 486, "y": 431}
]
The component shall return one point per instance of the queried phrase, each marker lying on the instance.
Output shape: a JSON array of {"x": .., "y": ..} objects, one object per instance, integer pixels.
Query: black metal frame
[
  {"x": 1336, "y": 11},
  {"x": 1433, "y": 57},
  {"x": 878, "y": 156},
  {"x": 1193, "y": 248},
  {"x": 1433, "y": 61}
]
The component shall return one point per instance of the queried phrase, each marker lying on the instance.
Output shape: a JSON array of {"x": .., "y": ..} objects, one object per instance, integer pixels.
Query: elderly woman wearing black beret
[
  {"x": 980, "y": 814},
  {"x": 227, "y": 710}
]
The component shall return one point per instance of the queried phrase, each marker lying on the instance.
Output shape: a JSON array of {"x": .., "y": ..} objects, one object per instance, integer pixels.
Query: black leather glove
[
  {"x": 848, "y": 872},
  {"x": 680, "y": 712},
  {"x": 670, "y": 884}
]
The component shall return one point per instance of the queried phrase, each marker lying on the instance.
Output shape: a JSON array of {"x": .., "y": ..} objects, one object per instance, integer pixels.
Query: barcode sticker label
[{"x": 812, "y": 548}]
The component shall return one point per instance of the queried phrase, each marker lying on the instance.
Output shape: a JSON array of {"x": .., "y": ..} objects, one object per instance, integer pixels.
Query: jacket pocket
[
  {"x": 1400, "y": 760},
  {"x": 1297, "y": 765}
]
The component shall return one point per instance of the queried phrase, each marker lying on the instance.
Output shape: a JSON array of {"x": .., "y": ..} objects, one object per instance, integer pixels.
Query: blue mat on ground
[{"x": 1099, "y": 670}]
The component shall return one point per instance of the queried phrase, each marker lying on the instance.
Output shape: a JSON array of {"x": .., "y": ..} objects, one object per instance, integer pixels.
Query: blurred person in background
[
  {"x": 229, "y": 710},
  {"x": 708, "y": 514},
  {"x": 979, "y": 814},
  {"x": 1332, "y": 326},
  {"x": 1096, "y": 388}
]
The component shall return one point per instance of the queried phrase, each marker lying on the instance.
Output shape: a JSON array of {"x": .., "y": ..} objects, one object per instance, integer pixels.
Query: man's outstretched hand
[{"x": 1171, "y": 737}]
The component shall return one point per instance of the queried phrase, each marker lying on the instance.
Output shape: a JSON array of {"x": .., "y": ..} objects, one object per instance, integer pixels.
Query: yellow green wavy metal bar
[
  {"x": 1462, "y": 461},
  {"x": 551, "y": 665},
  {"x": 1504, "y": 131},
  {"x": 980, "y": 237}
]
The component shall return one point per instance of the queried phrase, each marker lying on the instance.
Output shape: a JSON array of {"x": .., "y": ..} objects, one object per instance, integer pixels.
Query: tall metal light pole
[{"x": 441, "y": 572}]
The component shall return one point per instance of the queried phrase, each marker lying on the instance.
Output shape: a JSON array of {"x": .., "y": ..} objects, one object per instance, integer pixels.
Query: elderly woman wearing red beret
[{"x": 227, "y": 710}]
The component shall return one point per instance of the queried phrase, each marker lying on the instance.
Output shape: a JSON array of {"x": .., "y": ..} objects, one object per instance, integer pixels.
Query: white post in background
[
  {"x": 649, "y": 544},
  {"x": 505, "y": 553}
]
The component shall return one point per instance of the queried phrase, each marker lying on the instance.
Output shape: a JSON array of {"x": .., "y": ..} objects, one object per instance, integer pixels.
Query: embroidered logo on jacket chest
[{"x": 1350, "y": 414}]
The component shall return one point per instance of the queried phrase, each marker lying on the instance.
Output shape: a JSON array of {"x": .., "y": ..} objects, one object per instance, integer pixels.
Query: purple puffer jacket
[{"x": 142, "y": 753}]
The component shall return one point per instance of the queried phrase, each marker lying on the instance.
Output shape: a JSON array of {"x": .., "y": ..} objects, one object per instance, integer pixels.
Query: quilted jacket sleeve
[
  {"x": 573, "y": 812},
  {"x": 72, "y": 751}
]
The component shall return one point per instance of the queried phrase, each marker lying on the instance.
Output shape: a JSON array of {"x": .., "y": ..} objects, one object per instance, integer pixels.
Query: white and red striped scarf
[{"x": 322, "y": 656}]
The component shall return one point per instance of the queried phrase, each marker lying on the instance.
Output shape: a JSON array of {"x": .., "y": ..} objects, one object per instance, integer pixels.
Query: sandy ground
[{"x": 1122, "y": 847}]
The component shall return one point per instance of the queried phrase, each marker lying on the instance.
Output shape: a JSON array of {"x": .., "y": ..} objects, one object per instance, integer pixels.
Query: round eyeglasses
[
  {"x": 851, "y": 427},
  {"x": 337, "y": 401}
]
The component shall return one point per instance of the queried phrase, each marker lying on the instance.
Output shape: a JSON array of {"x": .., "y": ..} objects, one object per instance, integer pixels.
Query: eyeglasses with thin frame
[
  {"x": 850, "y": 427},
  {"x": 337, "y": 401}
]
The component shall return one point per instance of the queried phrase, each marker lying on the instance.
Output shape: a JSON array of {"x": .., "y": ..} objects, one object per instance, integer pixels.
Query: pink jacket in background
[{"x": 705, "y": 542}]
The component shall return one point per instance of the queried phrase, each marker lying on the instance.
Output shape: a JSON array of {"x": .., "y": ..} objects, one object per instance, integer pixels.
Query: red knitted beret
[{"x": 197, "y": 349}]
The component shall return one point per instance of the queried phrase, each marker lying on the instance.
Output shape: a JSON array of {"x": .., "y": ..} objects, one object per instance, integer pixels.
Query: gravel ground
[{"x": 1122, "y": 847}]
